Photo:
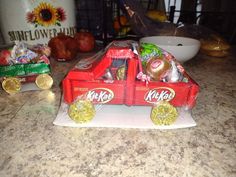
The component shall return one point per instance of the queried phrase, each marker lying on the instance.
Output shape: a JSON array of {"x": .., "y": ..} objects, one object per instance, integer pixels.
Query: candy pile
[
  {"x": 160, "y": 65},
  {"x": 22, "y": 53},
  {"x": 23, "y": 59},
  {"x": 155, "y": 64}
]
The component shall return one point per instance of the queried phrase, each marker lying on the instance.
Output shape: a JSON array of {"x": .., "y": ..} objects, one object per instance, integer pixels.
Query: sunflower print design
[{"x": 46, "y": 15}]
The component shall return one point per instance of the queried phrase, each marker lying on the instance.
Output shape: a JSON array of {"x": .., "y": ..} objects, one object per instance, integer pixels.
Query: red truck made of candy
[
  {"x": 101, "y": 82},
  {"x": 24, "y": 67}
]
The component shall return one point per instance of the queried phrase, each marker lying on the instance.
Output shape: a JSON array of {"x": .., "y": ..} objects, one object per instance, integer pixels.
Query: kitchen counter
[{"x": 31, "y": 146}]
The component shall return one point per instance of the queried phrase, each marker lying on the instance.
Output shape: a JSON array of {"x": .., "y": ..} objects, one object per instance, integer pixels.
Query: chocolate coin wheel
[
  {"x": 44, "y": 81},
  {"x": 164, "y": 113},
  {"x": 11, "y": 85},
  {"x": 81, "y": 111}
]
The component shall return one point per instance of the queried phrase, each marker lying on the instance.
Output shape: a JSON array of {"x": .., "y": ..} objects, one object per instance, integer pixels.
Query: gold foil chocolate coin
[
  {"x": 81, "y": 111},
  {"x": 44, "y": 81},
  {"x": 164, "y": 113},
  {"x": 120, "y": 73},
  {"x": 11, "y": 85}
]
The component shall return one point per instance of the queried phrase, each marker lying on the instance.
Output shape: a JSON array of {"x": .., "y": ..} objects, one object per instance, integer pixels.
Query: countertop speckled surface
[{"x": 31, "y": 146}]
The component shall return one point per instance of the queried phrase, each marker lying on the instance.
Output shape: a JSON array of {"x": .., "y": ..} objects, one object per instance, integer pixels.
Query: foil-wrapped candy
[
  {"x": 120, "y": 73},
  {"x": 108, "y": 78},
  {"x": 163, "y": 113},
  {"x": 157, "y": 67},
  {"x": 173, "y": 75},
  {"x": 21, "y": 54},
  {"x": 81, "y": 111}
]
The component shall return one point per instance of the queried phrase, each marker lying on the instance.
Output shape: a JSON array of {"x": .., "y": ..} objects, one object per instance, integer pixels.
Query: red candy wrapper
[{"x": 5, "y": 56}]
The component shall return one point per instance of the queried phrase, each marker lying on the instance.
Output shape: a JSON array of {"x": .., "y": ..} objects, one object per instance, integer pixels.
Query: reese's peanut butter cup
[
  {"x": 81, "y": 111},
  {"x": 164, "y": 113},
  {"x": 11, "y": 85},
  {"x": 44, "y": 81}
]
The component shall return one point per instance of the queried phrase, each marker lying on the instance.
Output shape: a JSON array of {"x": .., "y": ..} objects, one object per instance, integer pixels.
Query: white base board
[{"x": 121, "y": 116}]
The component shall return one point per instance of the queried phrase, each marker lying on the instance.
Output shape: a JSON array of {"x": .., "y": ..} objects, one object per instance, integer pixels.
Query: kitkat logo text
[
  {"x": 159, "y": 94},
  {"x": 100, "y": 95}
]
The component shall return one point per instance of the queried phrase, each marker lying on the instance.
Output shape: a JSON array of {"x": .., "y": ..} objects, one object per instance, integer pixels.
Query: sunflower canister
[{"x": 35, "y": 21}]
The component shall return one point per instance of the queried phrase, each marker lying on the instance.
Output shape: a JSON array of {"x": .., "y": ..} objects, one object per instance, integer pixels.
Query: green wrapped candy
[
  {"x": 149, "y": 50},
  {"x": 12, "y": 70},
  {"x": 24, "y": 69},
  {"x": 37, "y": 68}
]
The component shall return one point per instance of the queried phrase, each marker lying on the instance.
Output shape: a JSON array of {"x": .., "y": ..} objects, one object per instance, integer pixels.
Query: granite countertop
[{"x": 31, "y": 146}]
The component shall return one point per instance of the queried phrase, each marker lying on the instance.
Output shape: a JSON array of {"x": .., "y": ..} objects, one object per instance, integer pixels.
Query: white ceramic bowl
[{"x": 182, "y": 48}]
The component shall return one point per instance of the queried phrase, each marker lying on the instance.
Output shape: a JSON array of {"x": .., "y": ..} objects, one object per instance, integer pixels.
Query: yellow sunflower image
[{"x": 46, "y": 14}]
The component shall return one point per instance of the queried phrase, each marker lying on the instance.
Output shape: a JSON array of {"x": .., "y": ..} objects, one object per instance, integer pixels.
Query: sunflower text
[{"x": 37, "y": 34}]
